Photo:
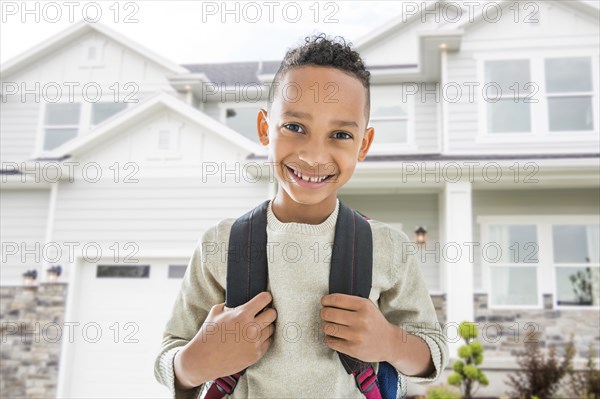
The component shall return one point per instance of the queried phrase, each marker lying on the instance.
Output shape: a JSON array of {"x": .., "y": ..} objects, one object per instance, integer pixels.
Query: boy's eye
[
  {"x": 294, "y": 127},
  {"x": 348, "y": 136}
]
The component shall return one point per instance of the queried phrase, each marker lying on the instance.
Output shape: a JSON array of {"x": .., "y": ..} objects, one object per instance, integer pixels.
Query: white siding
[
  {"x": 529, "y": 202},
  {"x": 19, "y": 126},
  {"x": 23, "y": 223},
  {"x": 410, "y": 210},
  {"x": 159, "y": 205},
  {"x": 426, "y": 122},
  {"x": 399, "y": 46},
  {"x": 167, "y": 215},
  {"x": 561, "y": 31},
  {"x": 122, "y": 76}
]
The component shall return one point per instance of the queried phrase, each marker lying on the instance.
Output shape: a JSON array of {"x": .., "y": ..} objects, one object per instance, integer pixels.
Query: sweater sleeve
[
  {"x": 199, "y": 291},
  {"x": 408, "y": 305}
]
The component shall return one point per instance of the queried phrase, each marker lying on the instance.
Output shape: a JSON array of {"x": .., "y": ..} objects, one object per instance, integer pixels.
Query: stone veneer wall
[
  {"x": 31, "y": 318},
  {"x": 504, "y": 332},
  {"x": 30, "y": 352}
]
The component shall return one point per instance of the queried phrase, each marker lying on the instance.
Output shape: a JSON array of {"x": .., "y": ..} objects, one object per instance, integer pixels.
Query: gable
[
  {"x": 164, "y": 139},
  {"x": 541, "y": 19},
  {"x": 399, "y": 44},
  {"x": 94, "y": 59}
]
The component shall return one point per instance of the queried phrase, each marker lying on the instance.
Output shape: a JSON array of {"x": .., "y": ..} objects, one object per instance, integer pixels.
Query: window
[
  {"x": 117, "y": 271},
  {"x": 164, "y": 140},
  {"x": 576, "y": 264},
  {"x": 524, "y": 257},
  {"x": 569, "y": 90},
  {"x": 61, "y": 124},
  {"x": 103, "y": 111},
  {"x": 506, "y": 94},
  {"x": 65, "y": 121},
  {"x": 242, "y": 119},
  {"x": 539, "y": 97},
  {"x": 513, "y": 274},
  {"x": 92, "y": 53},
  {"x": 177, "y": 271},
  {"x": 389, "y": 114}
]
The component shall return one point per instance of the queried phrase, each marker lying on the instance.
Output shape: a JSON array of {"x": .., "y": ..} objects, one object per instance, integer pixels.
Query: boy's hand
[
  {"x": 354, "y": 326},
  {"x": 230, "y": 340}
]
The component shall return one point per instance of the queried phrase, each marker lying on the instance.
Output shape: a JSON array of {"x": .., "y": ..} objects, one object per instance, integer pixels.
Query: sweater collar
[{"x": 326, "y": 226}]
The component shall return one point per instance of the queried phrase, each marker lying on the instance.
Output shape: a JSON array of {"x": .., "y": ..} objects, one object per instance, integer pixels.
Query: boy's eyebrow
[{"x": 298, "y": 114}]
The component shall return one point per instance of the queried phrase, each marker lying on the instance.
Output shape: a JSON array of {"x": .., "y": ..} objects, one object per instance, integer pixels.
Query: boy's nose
[{"x": 313, "y": 153}]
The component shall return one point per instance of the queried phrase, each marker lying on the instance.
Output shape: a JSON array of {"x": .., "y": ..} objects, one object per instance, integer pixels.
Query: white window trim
[
  {"x": 538, "y": 111},
  {"x": 85, "y": 122},
  {"x": 546, "y": 281},
  {"x": 175, "y": 151},
  {"x": 41, "y": 133},
  {"x": 398, "y": 148},
  {"x": 100, "y": 46}
]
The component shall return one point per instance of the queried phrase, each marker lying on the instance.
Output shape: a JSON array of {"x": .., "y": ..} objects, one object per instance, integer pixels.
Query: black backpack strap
[
  {"x": 351, "y": 266},
  {"x": 247, "y": 275},
  {"x": 247, "y": 271}
]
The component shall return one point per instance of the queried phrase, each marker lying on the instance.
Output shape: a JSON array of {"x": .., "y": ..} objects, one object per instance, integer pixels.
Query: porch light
[
  {"x": 420, "y": 235},
  {"x": 29, "y": 277},
  {"x": 53, "y": 273}
]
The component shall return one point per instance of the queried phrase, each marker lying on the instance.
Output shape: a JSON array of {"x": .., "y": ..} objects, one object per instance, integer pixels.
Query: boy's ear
[
  {"x": 365, "y": 144},
  {"x": 263, "y": 127}
]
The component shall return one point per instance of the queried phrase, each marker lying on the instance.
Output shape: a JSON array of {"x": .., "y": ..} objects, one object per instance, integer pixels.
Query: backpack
[{"x": 350, "y": 273}]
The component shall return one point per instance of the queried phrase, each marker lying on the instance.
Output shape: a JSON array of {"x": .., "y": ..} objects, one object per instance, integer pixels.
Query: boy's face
[{"x": 316, "y": 125}]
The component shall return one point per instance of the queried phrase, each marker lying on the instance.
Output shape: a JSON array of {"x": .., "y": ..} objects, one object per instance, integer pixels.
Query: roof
[
  {"x": 140, "y": 113},
  {"x": 234, "y": 72},
  {"x": 442, "y": 157},
  {"x": 249, "y": 72},
  {"x": 71, "y": 34}
]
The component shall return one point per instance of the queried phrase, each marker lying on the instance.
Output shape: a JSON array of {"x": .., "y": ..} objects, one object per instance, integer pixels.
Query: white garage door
[{"x": 120, "y": 311}]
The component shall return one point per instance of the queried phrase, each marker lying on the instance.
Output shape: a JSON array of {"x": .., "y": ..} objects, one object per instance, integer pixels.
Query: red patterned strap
[
  {"x": 367, "y": 383},
  {"x": 223, "y": 386}
]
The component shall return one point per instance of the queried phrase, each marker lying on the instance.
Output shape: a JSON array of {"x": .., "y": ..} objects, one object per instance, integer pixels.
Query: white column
[{"x": 456, "y": 267}]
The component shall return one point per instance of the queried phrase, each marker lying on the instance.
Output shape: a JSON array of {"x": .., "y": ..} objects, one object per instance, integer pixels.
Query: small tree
[
  {"x": 585, "y": 384},
  {"x": 539, "y": 375},
  {"x": 467, "y": 375}
]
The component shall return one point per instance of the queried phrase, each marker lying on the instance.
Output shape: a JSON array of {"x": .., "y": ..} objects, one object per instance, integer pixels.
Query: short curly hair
[{"x": 322, "y": 50}]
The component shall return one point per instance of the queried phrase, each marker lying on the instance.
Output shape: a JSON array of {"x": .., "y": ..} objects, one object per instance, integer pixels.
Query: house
[{"x": 114, "y": 160}]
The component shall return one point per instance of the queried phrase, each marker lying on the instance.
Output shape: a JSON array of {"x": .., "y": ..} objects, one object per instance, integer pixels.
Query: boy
[{"x": 315, "y": 127}]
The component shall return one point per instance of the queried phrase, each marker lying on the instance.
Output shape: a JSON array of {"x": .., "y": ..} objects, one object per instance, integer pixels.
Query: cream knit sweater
[{"x": 298, "y": 364}]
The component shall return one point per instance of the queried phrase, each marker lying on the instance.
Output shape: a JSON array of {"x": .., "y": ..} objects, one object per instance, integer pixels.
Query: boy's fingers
[
  {"x": 258, "y": 303},
  {"x": 218, "y": 308},
  {"x": 267, "y": 317}
]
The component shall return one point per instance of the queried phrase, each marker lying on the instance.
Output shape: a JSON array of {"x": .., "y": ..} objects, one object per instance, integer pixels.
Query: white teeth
[{"x": 308, "y": 179}]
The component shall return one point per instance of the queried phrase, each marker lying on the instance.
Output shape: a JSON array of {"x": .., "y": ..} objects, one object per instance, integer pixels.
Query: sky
[
  {"x": 195, "y": 31},
  {"x": 200, "y": 31}
]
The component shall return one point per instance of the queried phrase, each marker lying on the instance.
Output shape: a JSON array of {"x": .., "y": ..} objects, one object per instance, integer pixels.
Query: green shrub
[
  {"x": 466, "y": 374},
  {"x": 443, "y": 392}
]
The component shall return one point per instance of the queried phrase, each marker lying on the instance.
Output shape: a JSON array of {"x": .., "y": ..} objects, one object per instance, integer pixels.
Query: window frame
[
  {"x": 539, "y": 111},
  {"x": 487, "y": 266},
  {"x": 43, "y": 126},
  {"x": 555, "y": 265},
  {"x": 546, "y": 280},
  {"x": 85, "y": 122},
  {"x": 522, "y": 96},
  {"x": 378, "y": 148}
]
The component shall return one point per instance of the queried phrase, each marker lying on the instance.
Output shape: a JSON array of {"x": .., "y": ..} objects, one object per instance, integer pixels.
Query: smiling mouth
[{"x": 309, "y": 179}]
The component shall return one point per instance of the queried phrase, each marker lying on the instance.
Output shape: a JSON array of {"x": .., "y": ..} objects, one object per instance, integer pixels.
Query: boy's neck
[{"x": 287, "y": 210}]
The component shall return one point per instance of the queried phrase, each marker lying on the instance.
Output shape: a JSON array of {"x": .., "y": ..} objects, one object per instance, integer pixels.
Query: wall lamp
[
  {"x": 420, "y": 234},
  {"x": 29, "y": 277}
]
